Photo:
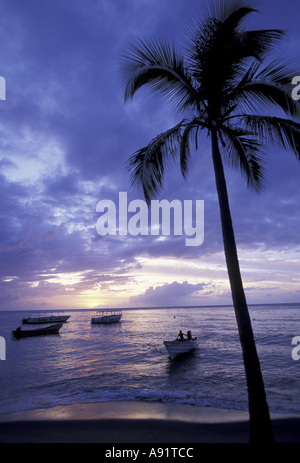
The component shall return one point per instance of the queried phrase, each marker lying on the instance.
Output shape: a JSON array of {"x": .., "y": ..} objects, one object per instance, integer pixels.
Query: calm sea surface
[{"x": 128, "y": 361}]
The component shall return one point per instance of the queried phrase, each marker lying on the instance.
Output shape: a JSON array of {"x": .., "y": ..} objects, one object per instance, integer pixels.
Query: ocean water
[{"x": 127, "y": 361}]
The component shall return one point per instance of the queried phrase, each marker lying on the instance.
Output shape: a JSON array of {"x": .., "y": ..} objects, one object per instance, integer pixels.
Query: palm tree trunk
[{"x": 260, "y": 423}]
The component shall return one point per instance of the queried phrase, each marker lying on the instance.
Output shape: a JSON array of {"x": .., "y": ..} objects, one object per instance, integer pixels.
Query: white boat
[
  {"x": 36, "y": 318},
  {"x": 181, "y": 345},
  {"x": 107, "y": 316}
]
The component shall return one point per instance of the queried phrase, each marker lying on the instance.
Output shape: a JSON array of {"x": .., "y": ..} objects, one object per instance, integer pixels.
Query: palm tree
[{"x": 219, "y": 83}]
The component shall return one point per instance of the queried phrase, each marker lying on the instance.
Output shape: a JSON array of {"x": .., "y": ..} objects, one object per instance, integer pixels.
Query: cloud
[
  {"x": 65, "y": 138},
  {"x": 168, "y": 295}
]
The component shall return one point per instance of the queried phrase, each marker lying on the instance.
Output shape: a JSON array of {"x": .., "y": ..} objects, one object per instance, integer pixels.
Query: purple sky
[{"x": 65, "y": 137}]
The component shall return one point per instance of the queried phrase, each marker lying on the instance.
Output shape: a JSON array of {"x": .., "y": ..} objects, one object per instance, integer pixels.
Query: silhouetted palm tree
[{"x": 218, "y": 84}]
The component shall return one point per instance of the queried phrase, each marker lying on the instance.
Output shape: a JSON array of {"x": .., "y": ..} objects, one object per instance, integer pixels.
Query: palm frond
[
  {"x": 157, "y": 64},
  {"x": 216, "y": 16},
  {"x": 276, "y": 131},
  {"x": 222, "y": 10},
  {"x": 244, "y": 152},
  {"x": 257, "y": 43},
  {"x": 278, "y": 72},
  {"x": 217, "y": 43},
  {"x": 269, "y": 86},
  {"x": 191, "y": 128},
  {"x": 267, "y": 94},
  {"x": 148, "y": 165}
]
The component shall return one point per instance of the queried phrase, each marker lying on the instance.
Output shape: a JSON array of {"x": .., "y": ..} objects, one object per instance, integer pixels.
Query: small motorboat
[
  {"x": 181, "y": 345},
  {"x": 52, "y": 329},
  {"x": 107, "y": 316},
  {"x": 36, "y": 318}
]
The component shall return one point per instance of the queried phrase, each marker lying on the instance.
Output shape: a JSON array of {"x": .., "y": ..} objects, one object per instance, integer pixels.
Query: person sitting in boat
[{"x": 180, "y": 336}]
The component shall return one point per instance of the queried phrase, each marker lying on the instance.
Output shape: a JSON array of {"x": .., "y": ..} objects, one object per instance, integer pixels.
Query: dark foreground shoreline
[{"x": 137, "y": 422}]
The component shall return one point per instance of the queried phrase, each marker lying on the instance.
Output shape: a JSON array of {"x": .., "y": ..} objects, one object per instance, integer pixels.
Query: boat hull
[
  {"x": 53, "y": 329},
  {"x": 178, "y": 347}
]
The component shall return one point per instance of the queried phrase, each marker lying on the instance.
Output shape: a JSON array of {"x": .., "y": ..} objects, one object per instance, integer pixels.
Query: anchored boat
[
  {"x": 107, "y": 316},
  {"x": 37, "y": 318},
  {"x": 182, "y": 345},
  {"x": 52, "y": 329}
]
